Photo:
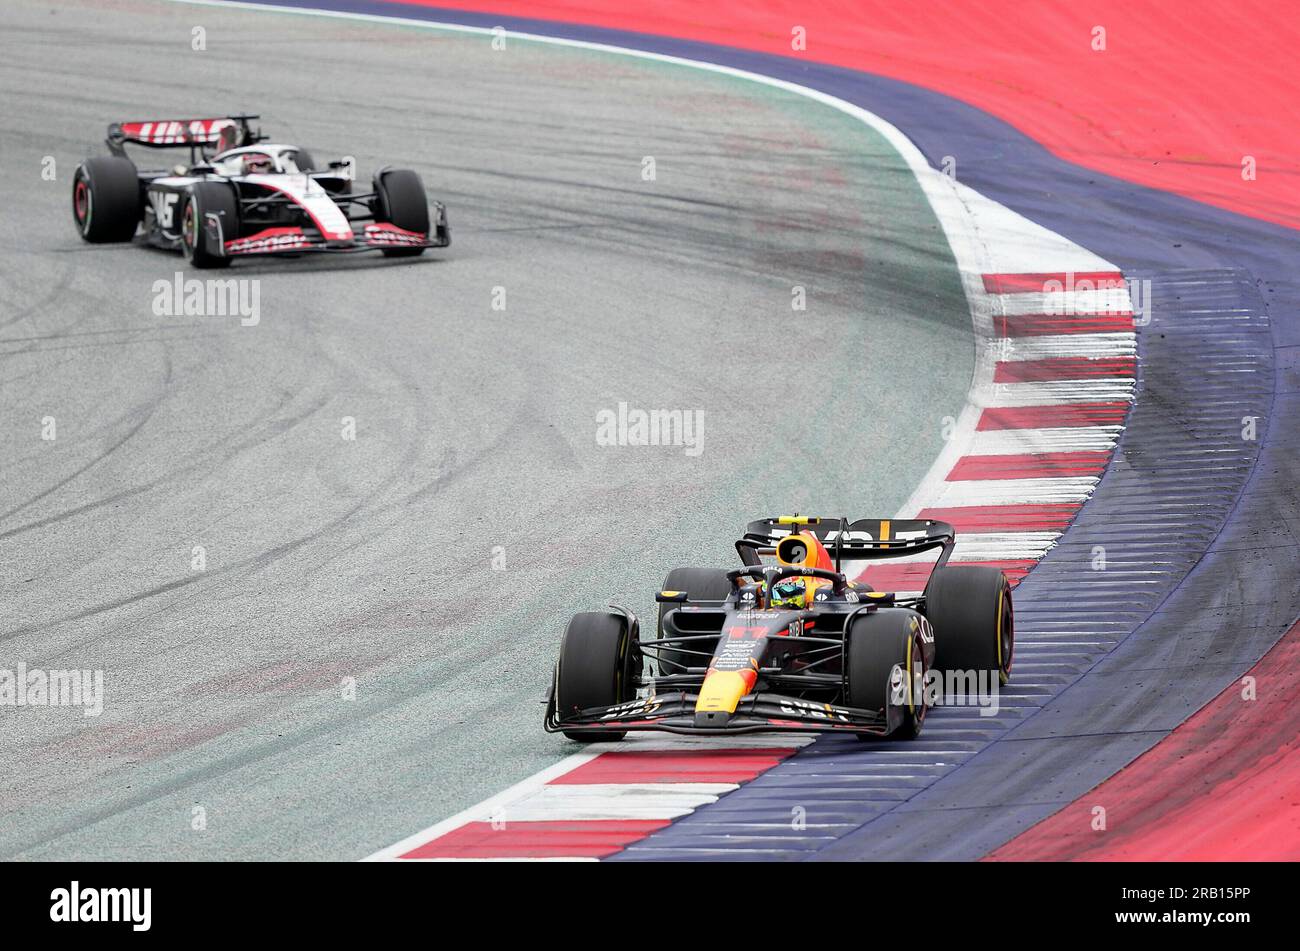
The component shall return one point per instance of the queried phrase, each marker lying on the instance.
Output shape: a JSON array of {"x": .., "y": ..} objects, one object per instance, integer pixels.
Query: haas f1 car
[
  {"x": 240, "y": 195},
  {"x": 787, "y": 642}
]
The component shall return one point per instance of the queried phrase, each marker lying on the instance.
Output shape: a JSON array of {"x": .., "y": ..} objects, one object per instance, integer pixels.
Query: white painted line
[
  {"x": 1004, "y": 545},
  {"x": 1065, "y": 345},
  {"x": 1067, "y": 304},
  {"x": 1010, "y": 442},
  {"x": 612, "y": 801},
  {"x": 1014, "y": 491},
  {"x": 1104, "y": 390},
  {"x": 487, "y": 809},
  {"x": 521, "y": 858}
]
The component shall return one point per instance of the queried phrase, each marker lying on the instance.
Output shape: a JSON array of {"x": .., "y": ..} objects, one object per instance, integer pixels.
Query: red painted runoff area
[{"x": 1043, "y": 417}]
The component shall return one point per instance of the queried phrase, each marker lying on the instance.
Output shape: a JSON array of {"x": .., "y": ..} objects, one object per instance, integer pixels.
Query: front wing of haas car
[{"x": 360, "y": 236}]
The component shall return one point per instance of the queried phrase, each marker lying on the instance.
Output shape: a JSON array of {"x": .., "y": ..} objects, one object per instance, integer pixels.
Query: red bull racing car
[
  {"x": 788, "y": 641},
  {"x": 240, "y": 195}
]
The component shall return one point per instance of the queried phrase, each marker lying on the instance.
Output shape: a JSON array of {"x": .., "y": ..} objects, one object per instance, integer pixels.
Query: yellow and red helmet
[{"x": 791, "y": 593}]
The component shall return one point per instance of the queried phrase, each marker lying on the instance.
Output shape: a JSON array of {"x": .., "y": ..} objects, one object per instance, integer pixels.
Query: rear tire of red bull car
[
  {"x": 699, "y": 584},
  {"x": 885, "y": 664},
  {"x": 597, "y": 664},
  {"x": 974, "y": 626}
]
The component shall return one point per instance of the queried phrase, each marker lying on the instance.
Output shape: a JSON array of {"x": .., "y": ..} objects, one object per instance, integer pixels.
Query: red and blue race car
[{"x": 790, "y": 641}]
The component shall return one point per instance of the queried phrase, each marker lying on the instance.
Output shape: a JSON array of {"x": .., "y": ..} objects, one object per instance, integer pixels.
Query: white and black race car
[{"x": 240, "y": 195}]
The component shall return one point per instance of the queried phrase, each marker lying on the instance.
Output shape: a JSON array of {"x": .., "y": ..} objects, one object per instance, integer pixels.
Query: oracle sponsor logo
[
  {"x": 277, "y": 239},
  {"x": 391, "y": 234}
]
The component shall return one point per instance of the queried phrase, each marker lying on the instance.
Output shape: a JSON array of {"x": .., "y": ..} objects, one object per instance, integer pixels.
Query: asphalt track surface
[{"x": 372, "y": 559}]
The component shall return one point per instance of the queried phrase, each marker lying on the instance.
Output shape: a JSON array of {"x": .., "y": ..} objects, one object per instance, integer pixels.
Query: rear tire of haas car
[
  {"x": 202, "y": 249},
  {"x": 106, "y": 199},
  {"x": 400, "y": 200},
  {"x": 595, "y": 669},
  {"x": 874, "y": 645},
  {"x": 700, "y": 584},
  {"x": 969, "y": 607}
]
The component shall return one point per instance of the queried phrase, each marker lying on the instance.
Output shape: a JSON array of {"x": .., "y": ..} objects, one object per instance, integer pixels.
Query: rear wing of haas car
[
  {"x": 216, "y": 134},
  {"x": 867, "y": 538}
]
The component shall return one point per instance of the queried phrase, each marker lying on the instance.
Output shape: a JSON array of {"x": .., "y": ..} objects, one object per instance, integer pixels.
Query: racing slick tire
[
  {"x": 400, "y": 200},
  {"x": 700, "y": 584},
  {"x": 878, "y": 647},
  {"x": 202, "y": 249},
  {"x": 106, "y": 199},
  {"x": 597, "y": 662},
  {"x": 969, "y": 607}
]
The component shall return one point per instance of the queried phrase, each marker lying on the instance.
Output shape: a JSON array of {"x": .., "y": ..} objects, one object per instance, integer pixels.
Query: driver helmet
[
  {"x": 258, "y": 163},
  {"x": 790, "y": 593}
]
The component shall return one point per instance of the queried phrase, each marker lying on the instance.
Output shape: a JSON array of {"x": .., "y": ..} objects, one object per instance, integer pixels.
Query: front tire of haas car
[
  {"x": 700, "y": 584},
  {"x": 400, "y": 200},
  {"x": 880, "y": 647},
  {"x": 969, "y": 607},
  {"x": 106, "y": 199},
  {"x": 202, "y": 245},
  {"x": 597, "y": 663}
]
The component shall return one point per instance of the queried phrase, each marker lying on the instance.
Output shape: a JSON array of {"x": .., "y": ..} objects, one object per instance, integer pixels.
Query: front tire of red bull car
[
  {"x": 885, "y": 665},
  {"x": 598, "y": 660}
]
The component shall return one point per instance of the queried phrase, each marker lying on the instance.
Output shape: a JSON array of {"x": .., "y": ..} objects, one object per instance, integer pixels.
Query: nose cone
[{"x": 722, "y": 690}]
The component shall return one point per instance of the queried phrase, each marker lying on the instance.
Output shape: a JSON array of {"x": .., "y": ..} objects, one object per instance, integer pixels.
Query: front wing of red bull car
[
  {"x": 732, "y": 655},
  {"x": 241, "y": 196}
]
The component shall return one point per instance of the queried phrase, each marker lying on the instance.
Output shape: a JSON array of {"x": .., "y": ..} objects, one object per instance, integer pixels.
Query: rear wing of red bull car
[{"x": 864, "y": 539}]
